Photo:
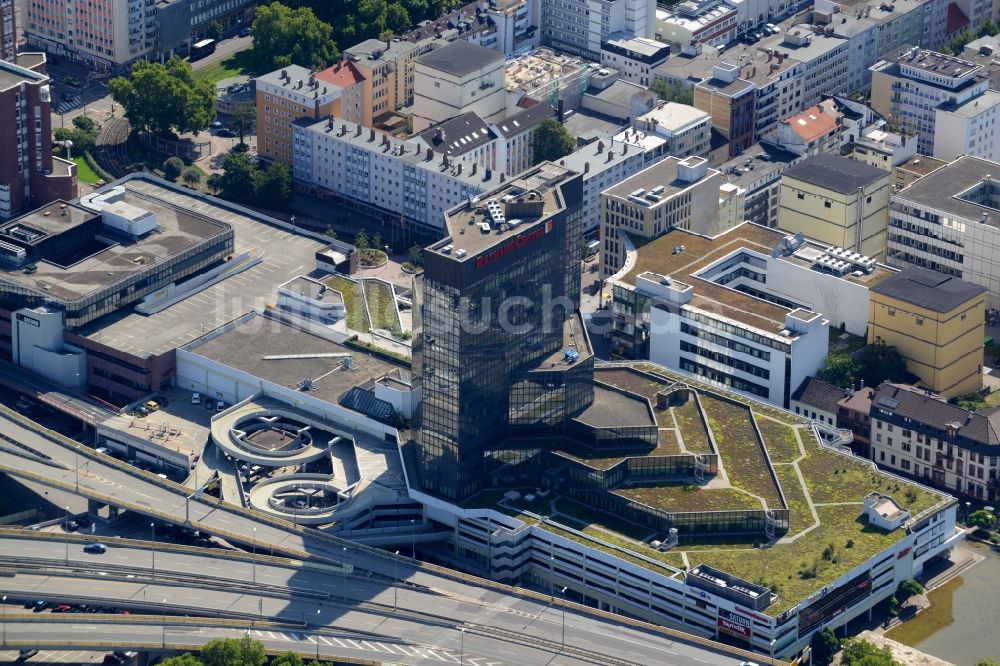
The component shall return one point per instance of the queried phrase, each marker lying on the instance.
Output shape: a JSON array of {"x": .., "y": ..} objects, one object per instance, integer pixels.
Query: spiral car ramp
[{"x": 271, "y": 434}]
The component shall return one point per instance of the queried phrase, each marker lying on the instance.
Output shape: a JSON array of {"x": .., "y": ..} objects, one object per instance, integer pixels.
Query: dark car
[
  {"x": 71, "y": 526},
  {"x": 39, "y": 606},
  {"x": 24, "y": 655},
  {"x": 245, "y": 32},
  {"x": 83, "y": 521},
  {"x": 95, "y": 548},
  {"x": 226, "y": 133},
  {"x": 209, "y": 404}
]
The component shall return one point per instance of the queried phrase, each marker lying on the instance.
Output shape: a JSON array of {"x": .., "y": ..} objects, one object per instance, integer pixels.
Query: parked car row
[
  {"x": 37, "y": 606},
  {"x": 752, "y": 36}
]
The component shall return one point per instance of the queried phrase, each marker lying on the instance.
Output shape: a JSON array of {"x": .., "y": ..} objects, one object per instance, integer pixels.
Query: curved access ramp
[
  {"x": 271, "y": 434},
  {"x": 306, "y": 499}
]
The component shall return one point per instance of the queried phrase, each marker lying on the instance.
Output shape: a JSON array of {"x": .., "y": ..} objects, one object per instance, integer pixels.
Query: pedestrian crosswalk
[
  {"x": 398, "y": 649},
  {"x": 68, "y": 105}
]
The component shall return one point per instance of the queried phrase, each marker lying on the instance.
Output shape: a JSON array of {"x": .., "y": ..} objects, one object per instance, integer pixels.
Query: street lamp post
[
  {"x": 5, "y": 619},
  {"x": 292, "y": 219},
  {"x": 413, "y": 538},
  {"x": 461, "y": 661},
  {"x": 318, "y": 610},
  {"x": 152, "y": 531},
  {"x": 163, "y": 636},
  {"x": 254, "y": 556},
  {"x": 66, "y": 528},
  {"x": 772, "y": 650},
  {"x": 344, "y": 571},
  {"x": 76, "y": 458},
  {"x": 395, "y": 582},
  {"x": 563, "y": 593}
]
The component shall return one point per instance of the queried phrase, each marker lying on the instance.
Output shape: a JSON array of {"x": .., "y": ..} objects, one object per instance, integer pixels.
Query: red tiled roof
[
  {"x": 957, "y": 20},
  {"x": 812, "y": 124},
  {"x": 344, "y": 74}
]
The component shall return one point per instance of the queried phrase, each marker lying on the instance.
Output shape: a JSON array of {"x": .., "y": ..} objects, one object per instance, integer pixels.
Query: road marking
[
  {"x": 354, "y": 644},
  {"x": 370, "y": 646}
]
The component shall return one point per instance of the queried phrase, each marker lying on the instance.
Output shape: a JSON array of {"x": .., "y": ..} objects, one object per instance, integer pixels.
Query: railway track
[{"x": 112, "y": 147}]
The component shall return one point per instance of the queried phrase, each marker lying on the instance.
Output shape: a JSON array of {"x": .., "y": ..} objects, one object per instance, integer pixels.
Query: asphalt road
[{"x": 456, "y": 599}]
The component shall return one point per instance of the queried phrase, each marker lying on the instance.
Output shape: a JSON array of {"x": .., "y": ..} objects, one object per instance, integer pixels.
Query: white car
[
  {"x": 196, "y": 398},
  {"x": 220, "y": 406},
  {"x": 773, "y": 29}
]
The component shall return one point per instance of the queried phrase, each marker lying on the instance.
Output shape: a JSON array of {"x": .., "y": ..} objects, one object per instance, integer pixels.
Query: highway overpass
[{"x": 463, "y": 600}]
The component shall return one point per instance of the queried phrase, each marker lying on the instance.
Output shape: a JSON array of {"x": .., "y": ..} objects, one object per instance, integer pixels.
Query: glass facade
[{"x": 482, "y": 326}]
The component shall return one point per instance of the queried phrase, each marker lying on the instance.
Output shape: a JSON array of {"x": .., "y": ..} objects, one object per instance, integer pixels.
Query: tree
[
  {"x": 416, "y": 254},
  {"x": 284, "y": 36},
  {"x": 971, "y": 401},
  {"x": 234, "y": 652},
  {"x": 274, "y": 185},
  {"x": 386, "y": 35},
  {"x": 214, "y": 30},
  {"x": 551, "y": 141},
  {"x": 824, "y": 645},
  {"x": 165, "y": 98},
  {"x": 214, "y": 182},
  {"x": 172, "y": 167},
  {"x": 982, "y": 519},
  {"x": 673, "y": 91},
  {"x": 82, "y": 141},
  {"x": 191, "y": 176},
  {"x": 186, "y": 659},
  {"x": 245, "y": 119},
  {"x": 238, "y": 178},
  {"x": 331, "y": 234},
  {"x": 361, "y": 240},
  {"x": 397, "y": 19},
  {"x": 841, "y": 370},
  {"x": 858, "y": 652},
  {"x": 986, "y": 662},
  {"x": 377, "y": 240},
  {"x": 908, "y": 588},
  {"x": 85, "y": 123},
  {"x": 288, "y": 659},
  {"x": 879, "y": 362}
]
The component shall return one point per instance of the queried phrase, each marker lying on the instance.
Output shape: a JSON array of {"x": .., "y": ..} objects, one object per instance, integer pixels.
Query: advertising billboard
[
  {"x": 831, "y": 603},
  {"x": 735, "y": 624}
]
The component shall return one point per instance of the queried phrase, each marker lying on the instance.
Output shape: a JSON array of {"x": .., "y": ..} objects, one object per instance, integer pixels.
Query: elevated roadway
[{"x": 50, "y": 459}]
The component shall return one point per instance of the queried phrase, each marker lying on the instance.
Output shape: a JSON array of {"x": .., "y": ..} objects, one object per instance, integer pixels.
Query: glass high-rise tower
[{"x": 495, "y": 302}]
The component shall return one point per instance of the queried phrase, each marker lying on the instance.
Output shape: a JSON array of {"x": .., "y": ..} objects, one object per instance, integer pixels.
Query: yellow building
[
  {"x": 837, "y": 201},
  {"x": 937, "y": 323}
]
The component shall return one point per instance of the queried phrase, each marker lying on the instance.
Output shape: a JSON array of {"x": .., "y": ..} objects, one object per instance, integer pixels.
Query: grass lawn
[
  {"x": 788, "y": 569},
  {"x": 234, "y": 65},
  {"x": 779, "y": 439},
  {"x": 381, "y": 306},
  {"x": 741, "y": 456},
  {"x": 84, "y": 173},
  {"x": 353, "y": 301},
  {"x": 799, "y": 516},
  {"x": 682, "y": 497},
  {"x": 692, "y": 427},
  {"x": 631, "y": 381}
]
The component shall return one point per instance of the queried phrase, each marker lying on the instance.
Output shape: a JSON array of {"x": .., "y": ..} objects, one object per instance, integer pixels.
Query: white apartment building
[
  {"x": 711, "y": 22},
  {"x": 917, "y": 90},
  {"x": 748, "y": 309},
  {"x": 515, "y": 26},
  {"x": 671, "y": 194},
  {"x": 456, "y": 79},
  {"x": 687, "y": 130},
  {"x": 515, "y": 151},
  {"x": 400, "y": 181},
  {"x": 883, "y": 149},
  {"x": 949, "y": 221},
  {"x": 581, "y": 26},
  {"x": 634, "y": 58},
  {"x": 607, "y": 162}
]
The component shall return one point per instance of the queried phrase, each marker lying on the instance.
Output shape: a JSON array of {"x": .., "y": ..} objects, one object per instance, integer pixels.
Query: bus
[{"x": 201, "y": 49}]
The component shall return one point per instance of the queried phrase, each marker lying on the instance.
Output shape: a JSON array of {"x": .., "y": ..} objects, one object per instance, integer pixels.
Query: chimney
[
  {"x": 489, "y": 174},
  {"x": 444, "y": 161},
  {"x": 503, "y": 178},
  {"x": 439, "y": 135},
  {"x": 358, "y": 132},
  {"x": 371, "y": 135},
  {"x": 459, "y": 170},
  {"x": 586, "y": 167},
  {"x": 474, "y": 165},
  {"x": 329, "y": 124},
  {"x": 625, "y": 150},
  {"x": 284, "y": 74},
  {"x": 611, "y": 155},
  {"x": 600, "y": 147}
]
